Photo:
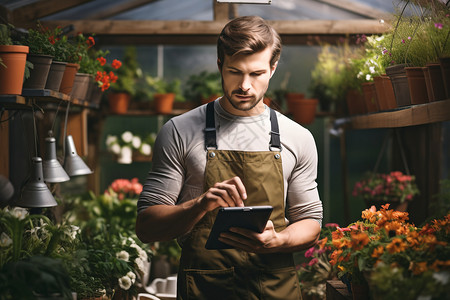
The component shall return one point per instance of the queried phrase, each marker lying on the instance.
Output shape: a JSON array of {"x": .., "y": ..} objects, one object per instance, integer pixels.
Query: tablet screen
[{"x": 250, "y": 217}]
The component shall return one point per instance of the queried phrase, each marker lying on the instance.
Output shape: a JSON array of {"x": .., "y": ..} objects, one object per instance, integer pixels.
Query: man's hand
[
  {"x": 227, "y": 193},
  {"x": 252, "y": 241},
  {"x": 295, "y": 237}
]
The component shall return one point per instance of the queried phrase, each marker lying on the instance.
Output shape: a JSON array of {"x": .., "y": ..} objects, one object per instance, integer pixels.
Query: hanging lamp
[
  {"x": 35, "y": 193},
  {"x": 53, "y": 171},
  {"x": 73, "y": 163}
]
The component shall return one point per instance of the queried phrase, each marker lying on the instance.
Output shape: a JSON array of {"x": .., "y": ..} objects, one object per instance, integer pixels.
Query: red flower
[
  {"x": 90, "y": 41},
  {"x": 116, "y": 64},
  {"x": 102, "y": 60}
]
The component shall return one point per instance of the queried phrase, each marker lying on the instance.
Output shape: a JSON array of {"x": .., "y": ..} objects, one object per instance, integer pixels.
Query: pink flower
[
  {"x": 332, "y": 225},
  {"x": 438, "y": 25},
  {"x": 313, "y": 262},
  {"x": 309, "y": 252}
]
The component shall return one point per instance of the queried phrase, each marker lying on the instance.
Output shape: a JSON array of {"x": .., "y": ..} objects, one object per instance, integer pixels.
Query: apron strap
[
  {"x": 210, "y": 130},
  {"x": 274, "y": 132}
]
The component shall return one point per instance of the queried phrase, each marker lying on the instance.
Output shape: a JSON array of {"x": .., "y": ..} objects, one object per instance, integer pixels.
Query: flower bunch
[
  {"x": 369, "y": 64},
  {"x": 392, "y": 187},
  {"x": 124, "y": 145},
  {"x": 38, "y": 40},
  {"x": 124, "y": 188},
  {"x": 385, "y": 238},
  {"x": 315, "y": 269},
  {"x": 102, "y": 77}
]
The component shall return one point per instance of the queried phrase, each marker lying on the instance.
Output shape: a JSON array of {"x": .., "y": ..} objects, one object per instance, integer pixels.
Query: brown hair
[{"x": 248, "y": 35}]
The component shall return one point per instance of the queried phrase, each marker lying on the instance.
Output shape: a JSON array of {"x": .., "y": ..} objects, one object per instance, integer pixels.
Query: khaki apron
[{"x": 230, "y": 273}]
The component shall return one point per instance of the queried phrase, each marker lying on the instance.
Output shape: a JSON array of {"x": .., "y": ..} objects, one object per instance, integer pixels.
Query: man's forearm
[{"x": 166, "y": 222}]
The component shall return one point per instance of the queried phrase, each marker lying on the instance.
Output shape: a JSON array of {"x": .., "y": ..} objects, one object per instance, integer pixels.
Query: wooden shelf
[
  {"x": 42, "y": 96},
  {"x": 419, "y": 114}
]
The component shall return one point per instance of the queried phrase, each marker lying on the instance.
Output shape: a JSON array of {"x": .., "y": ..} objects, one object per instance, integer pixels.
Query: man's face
[{"x": 245, "y": 79}]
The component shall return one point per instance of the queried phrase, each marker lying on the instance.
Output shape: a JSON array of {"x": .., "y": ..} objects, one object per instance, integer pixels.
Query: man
[{"x": 235, "y": 151}]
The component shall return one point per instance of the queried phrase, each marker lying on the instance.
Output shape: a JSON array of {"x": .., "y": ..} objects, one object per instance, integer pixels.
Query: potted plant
[
  {"x": 124, "y": 87},
  {"x": 12, "y": 68},
  {"x": 395, "y": 188},
  {"x": 333, "y": 77},
  {"x": 34, "y": 249},
  {"x": 164, "y": 93},
  {"x": 40, "y": 56},
  {"x": 382, "y": 256},
  {"x": 205, "y": 86}
]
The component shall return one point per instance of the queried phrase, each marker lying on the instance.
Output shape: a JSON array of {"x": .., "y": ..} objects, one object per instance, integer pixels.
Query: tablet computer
[{"x": 250, "y": 217}]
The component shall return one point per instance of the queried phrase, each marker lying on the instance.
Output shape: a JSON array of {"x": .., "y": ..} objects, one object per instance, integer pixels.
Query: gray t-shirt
[{"x": 179, "y": 159}]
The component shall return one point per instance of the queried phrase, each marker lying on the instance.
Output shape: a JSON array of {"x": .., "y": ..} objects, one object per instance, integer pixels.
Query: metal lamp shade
[
  {"x": 36, "y": 193},
  {"x": 53, "y": 171},
  {"x": 74, "y": 164}
]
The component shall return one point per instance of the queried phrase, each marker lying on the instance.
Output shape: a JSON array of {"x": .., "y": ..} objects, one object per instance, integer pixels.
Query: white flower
[
  {"x": 132, "y": 276},
  {"x": 125, "y": 283},
  {"x": 146, "y": 149},
  {"x": 140, "y": 264},
  {"x": 136, "y": 142},
  {"x": 5, "y": 240},
  {"x": 127, "y": 136},
  {"x": 111, "y": 139},
  {"x": 74, "y": 231},
  {"x": 115, "y": 148},
  {"x": 372, "y": 70},
  {"x": 19, "y": 212},
  {"x": 368, "y": 77},
  {"x": 126, "y": 155},
  {"x": 123, "y": 255}
]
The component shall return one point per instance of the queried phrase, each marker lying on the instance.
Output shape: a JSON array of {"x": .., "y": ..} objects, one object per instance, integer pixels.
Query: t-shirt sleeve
[
  {"x": 164, "y": 181},
  {"x": 303, "y": 201}
]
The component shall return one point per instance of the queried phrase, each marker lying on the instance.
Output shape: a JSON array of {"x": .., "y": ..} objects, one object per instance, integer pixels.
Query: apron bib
[{"x": 229, "y": 273}]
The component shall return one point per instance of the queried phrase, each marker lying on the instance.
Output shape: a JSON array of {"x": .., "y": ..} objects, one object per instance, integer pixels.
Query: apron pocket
[
  {"x": 280, "y": 284},
  {"x": 210, "y": 284}
]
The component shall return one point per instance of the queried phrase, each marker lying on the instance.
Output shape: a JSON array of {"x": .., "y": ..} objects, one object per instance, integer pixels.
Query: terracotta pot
[
  {"x": 164, "y": 103},
  {"x": 55, "y": 75},
  {"x": 119, "y": 102},
  {"x": 355, "y": 102},
  {"x": 370, "y": 97},
  {"x": 304, "y": 110},
  {"x": 39, "y": 73},
  {"x": 80, "y": 86},
  {"x": 385, "y": 93},
  {"x": 14, "y": 58},
  {"x": 417, "y": 85},
  {"x": 292, "y": 98},
  {"x": 434, "y": 82},
  {"x": 445, "y": 70},
  {"x": 397, "y": 74},
  {"x": 68, "y": 78}
]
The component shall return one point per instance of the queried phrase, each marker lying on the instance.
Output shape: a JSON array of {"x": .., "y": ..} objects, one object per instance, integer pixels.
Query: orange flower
[
  {"x": 418, "y": 268},
  {"x": 334, "y": 256},
  {"x": 397, "y": 245},
  {"x": 112, "y": 77},
  {"x": 359, "y": 240},
  {"x": 377, "y": 251}
]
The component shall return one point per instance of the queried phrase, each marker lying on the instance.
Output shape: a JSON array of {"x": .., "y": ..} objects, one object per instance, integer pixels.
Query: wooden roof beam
[
  {"x": 27, "y": 15},
  {"x": 189, "y": 27}
]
